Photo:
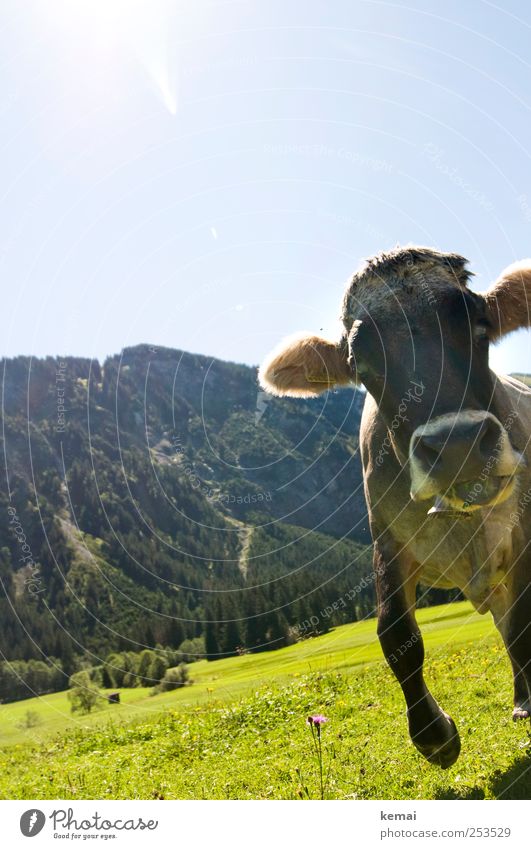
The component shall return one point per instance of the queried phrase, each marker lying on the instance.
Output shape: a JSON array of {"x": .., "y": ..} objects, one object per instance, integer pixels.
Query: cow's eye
[
  {"x": 359, "y": 364},
  {"x": 481, "y": 332}
]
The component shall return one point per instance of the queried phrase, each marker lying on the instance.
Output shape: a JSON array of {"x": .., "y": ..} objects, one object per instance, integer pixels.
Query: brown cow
[{"x": 444, "y": 442}]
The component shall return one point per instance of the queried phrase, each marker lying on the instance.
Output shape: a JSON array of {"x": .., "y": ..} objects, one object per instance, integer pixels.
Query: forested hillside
[
  {"x": 162, "y": 497},
  {"x": 148, "y": 495}
]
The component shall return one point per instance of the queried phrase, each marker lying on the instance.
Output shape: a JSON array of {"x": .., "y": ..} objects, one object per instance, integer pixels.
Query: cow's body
[{"x": 446, "y": 454}]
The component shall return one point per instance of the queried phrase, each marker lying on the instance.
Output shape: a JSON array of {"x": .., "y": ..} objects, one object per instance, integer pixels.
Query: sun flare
[{"x": 121, "y": 29}]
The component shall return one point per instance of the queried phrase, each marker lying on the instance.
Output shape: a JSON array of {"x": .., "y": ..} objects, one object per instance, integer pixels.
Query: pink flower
[{"x": 317, "y": 719}]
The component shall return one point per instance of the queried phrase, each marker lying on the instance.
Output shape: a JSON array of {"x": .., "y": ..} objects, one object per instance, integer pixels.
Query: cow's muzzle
[{"x": 465, "y": 460}]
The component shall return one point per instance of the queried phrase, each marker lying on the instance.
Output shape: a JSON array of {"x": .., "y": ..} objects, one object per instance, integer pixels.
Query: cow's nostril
[
  {"x": 430, "y": 453},
  {"x": 428, "y": 449},
  {"x": 434, "y": 442}
]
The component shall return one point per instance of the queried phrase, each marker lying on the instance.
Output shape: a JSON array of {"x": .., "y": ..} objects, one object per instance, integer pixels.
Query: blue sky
[{"x": 206, "y": 176}]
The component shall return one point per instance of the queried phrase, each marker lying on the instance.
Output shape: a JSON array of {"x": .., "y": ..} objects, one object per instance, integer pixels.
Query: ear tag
[{"x": 314, "y": 378}]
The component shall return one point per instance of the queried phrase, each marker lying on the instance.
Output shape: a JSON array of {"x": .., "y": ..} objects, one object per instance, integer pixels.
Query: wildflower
[{"x": 317, "y": 719}]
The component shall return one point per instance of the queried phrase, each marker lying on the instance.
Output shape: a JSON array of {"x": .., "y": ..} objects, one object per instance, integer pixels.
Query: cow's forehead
[{"x": 411, "y": 278}]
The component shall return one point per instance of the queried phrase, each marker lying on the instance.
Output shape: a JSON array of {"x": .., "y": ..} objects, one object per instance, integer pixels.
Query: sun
[{"x": 148, "y": 30}]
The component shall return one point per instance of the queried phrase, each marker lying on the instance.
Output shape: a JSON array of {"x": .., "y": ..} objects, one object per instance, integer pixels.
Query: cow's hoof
[
  {"x": 439, "y": 742},
  {"x": 521, "y": 713}
]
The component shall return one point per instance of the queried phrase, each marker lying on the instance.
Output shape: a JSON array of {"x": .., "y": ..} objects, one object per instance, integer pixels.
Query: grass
[{"x": 240, "y": 732}]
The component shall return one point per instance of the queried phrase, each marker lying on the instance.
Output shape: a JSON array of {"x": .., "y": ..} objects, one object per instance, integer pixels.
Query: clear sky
[{"x": 206, "y": 176}]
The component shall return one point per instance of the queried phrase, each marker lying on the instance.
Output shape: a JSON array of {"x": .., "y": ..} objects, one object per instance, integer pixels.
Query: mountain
[{"x": 161, "y": 496}]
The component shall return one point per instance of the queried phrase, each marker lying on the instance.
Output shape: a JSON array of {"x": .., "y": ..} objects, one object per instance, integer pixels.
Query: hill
[
  {"x": 524, "y": 378},
  {"x": 240, "y": 732},
  {"x": 160, "y": 490},
  {"x": 161, "y": 497}
]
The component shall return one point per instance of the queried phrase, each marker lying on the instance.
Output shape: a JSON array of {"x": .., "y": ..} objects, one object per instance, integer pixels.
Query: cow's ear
[
  {"x": 305, "y": 365},
  {"x": 509, "y": 299}
]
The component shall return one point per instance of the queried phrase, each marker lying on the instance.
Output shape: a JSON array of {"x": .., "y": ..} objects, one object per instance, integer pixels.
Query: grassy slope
[
  {"x": 343, "y": 648},
  {"x": 239, "y": 731}
]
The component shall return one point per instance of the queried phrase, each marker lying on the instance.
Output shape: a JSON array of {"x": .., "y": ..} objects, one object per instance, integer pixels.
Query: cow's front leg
[
  {"x": 432, "y": 731},
  {"x": 503, "y": 613},
  {"x": 516, "y": 631},
  {"x": 522, "y": 701}
]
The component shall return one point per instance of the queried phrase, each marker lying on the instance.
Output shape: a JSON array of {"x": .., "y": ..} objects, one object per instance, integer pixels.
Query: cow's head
[{"x": 418, "y": 339}]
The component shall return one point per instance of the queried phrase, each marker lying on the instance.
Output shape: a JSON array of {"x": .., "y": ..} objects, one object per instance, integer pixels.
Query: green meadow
[{"x": 240, "y": 732}]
